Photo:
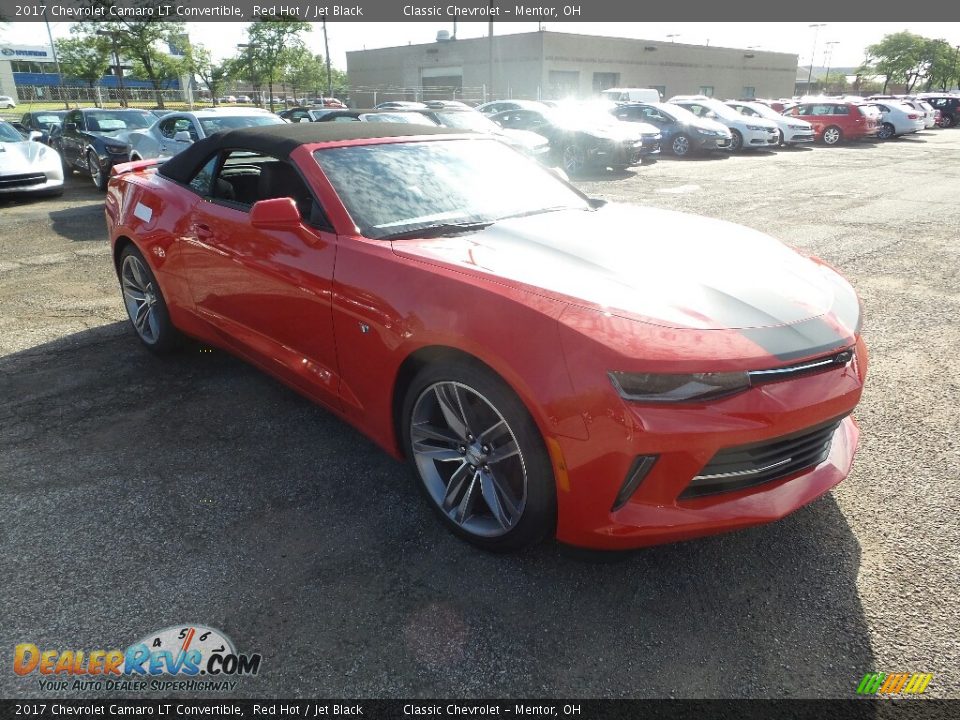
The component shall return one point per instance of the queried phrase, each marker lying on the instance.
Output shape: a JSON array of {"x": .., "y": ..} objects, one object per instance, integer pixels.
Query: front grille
[
  {"x": 739, "y": 467},
  {"x": 23, "y": 180}
]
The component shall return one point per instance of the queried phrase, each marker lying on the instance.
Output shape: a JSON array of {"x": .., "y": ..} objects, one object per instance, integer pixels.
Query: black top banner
[{"x": 464, "y": 10}]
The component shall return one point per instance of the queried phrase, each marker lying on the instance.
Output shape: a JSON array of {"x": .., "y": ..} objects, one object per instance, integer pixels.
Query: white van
[{"x": 631, "y": 95}]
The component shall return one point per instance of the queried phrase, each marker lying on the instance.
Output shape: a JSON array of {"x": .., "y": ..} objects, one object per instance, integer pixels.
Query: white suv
[{"x": 748, "y": 132}]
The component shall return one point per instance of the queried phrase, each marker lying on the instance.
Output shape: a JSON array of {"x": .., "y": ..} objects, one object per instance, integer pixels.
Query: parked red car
[
  {"x": 835, "y": 121},
  {"x": 549, "y": 364}
]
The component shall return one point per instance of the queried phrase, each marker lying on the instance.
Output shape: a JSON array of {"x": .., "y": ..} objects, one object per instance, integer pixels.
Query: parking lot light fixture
[{"x": 816, "y": 31}]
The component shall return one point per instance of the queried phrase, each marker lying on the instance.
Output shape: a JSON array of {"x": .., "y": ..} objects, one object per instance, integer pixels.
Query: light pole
[
  {"x": 326, "y": 55},
  {"x": 827, "y": 58},
  {"x": 112, "y": 34},
  {"x": 56, "y": 61},
  {"x": 816, "y": 31}
]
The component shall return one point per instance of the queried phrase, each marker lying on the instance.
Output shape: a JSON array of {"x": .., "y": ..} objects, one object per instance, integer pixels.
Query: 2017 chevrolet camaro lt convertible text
[{"x": 549, "y": 365}]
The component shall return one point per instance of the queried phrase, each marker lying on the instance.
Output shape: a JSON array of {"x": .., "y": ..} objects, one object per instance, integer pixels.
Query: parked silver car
[
  {"x": 27, "y": 166},
  {"x": 177, "y": 131}
]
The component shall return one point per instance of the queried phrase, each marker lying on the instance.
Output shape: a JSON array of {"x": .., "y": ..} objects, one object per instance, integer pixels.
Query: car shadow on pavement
[
  {"x": 192, "y": 488},
  {"x": 80, "y": 223}
]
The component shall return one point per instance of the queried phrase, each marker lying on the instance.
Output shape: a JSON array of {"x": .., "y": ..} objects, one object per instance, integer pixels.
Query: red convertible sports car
[{"x": 549, "y": 364}]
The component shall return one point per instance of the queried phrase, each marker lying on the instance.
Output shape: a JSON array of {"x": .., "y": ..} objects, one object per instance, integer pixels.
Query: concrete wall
[{"x": 523, "y": 63}]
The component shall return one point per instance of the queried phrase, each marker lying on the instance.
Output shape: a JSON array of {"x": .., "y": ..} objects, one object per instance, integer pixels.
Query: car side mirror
[
  {"x": 182, "y": 136},
  {"x": 275, "y": 214},
  {"x": 35, "y": 136},
  {"x": 711, "y": 115},
  {"x": 70, "y": 127},
  {"x": 303, "y": 119}
]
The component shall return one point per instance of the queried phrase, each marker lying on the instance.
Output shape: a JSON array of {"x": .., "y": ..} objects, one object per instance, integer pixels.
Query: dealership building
[
  {"x": 28, "y": 72},
  {"x": 554, "y": 65}
]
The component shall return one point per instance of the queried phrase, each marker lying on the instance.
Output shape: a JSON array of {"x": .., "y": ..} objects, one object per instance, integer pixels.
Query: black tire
[
  {"x": 886, "y": 131},
  {"x": 832, "y": 135},
  {"x": 99, "y": 176},
  {"x": 946, "y": 120},
  {"x": 680, "y": 145},
  {"x": 162, "y": 337},
  {"x": 538, "y": 515},
  {"x": 781, "y": 142},
  {"x": 736, "y": 142},
  {"x": 573, "y": 160}
]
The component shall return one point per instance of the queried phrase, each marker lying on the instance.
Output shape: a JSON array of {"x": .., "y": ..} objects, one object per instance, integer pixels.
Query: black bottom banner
[{"x": 425, "y": 709}]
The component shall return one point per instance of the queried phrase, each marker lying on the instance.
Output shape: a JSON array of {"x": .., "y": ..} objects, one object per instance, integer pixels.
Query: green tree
[
  {"x": 214, "y": 75},
  {"x": 302, "y": 70},
  {"x": 269, "y": 45},
  {"x": 944, "y": 70},
  {"x": 84, "y": 57},
  {"x": 903, "y": 57},
  {"x": 140, "y": 40}
]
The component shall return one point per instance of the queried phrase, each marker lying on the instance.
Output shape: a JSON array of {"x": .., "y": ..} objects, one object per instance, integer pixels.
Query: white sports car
[{"x": 27, "y": 166}]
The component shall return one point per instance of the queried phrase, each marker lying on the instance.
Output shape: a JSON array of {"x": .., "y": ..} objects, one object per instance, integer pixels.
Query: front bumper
[
  {"x": 795, "y": 137},
  {"x": 684, "y": 440},
  {"x": 31, "y": 183},
  {"x": 614, "y": 153}
]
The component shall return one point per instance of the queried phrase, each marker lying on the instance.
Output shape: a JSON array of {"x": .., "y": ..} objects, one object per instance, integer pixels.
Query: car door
[
  {"x": 71, "y": 142},
  {"x": 168, "y": 128},
  {"x": 268, "y": 292}
]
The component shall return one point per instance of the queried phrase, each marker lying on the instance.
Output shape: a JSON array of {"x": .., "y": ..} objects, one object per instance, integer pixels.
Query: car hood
[
  {"x": 713, "y": 125},
  {"x": 656, "y": 266},
  {"x": 21, "y": 156},
  {"x": 619, "y": 131},
  {"x": 522, "y": 138}
]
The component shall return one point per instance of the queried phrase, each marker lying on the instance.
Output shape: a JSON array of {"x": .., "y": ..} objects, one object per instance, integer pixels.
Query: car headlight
[
  {"x": 116, "y": 149},
  {"x": 662, "y": 388},
  {"x": 757, "y": 127},
  {"x": 798, "y": 127}
]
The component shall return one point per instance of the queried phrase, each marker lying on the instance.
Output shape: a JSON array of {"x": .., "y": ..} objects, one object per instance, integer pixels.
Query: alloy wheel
[
  {"x": 469, "y": 459},
  {"x": 140, "y": 299},
  {"x": 94, "y": 167},
  {"x": 831, "y": 136},
  {"x": 736, "y": 142},
  {"x": 886, "y": 131},
  {"x": 681, "y": 145},
  {"x": 572, "y": 159}
]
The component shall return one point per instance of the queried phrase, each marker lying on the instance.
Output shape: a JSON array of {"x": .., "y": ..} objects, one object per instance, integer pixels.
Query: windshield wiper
[{"x": 438, "y": 230}]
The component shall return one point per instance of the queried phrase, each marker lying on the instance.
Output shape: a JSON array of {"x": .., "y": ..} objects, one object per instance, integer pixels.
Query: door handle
[{"x": 203, "y": 231}]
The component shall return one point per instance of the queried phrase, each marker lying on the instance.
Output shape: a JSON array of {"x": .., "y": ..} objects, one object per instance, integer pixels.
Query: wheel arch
[{"x": 416, "y": 360}]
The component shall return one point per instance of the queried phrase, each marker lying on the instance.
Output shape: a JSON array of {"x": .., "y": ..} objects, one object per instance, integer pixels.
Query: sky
[{"x": 846, "y": 41}]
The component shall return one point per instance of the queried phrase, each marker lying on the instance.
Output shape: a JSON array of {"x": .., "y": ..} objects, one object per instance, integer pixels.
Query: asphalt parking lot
[{"x": 139, "y": 493}]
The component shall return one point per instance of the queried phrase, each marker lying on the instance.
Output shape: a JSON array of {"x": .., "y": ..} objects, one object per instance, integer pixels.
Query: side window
[
  {"x": 76, "y": 117},
  {"x": 203, "y": 181},
  {"x": 166, "y": 128},
  {"x": 841, "y": 110},
  {"x": 246, "y": 177}
]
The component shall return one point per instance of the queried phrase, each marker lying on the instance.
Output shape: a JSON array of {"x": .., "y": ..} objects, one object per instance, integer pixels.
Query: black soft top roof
[{"x": 280, "y": 140}]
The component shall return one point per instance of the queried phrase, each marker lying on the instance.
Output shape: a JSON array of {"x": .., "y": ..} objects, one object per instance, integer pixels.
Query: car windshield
[
  {"x": 582, "y": 116},
  {"x": 763, "y": 111},
  {"x": 467, "y": 120},
  {"x": 721, "y": 110},
  {"x": 392, "y": 189},
  {"x": 676, "y": 112},
  {"x": 217, "y": 124},
  {"x": 410, "y": 118},
  {"x": 8, "y": 133},
  {"x": 48, "y": 120},
  {"x": 116, "y": 121}
]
